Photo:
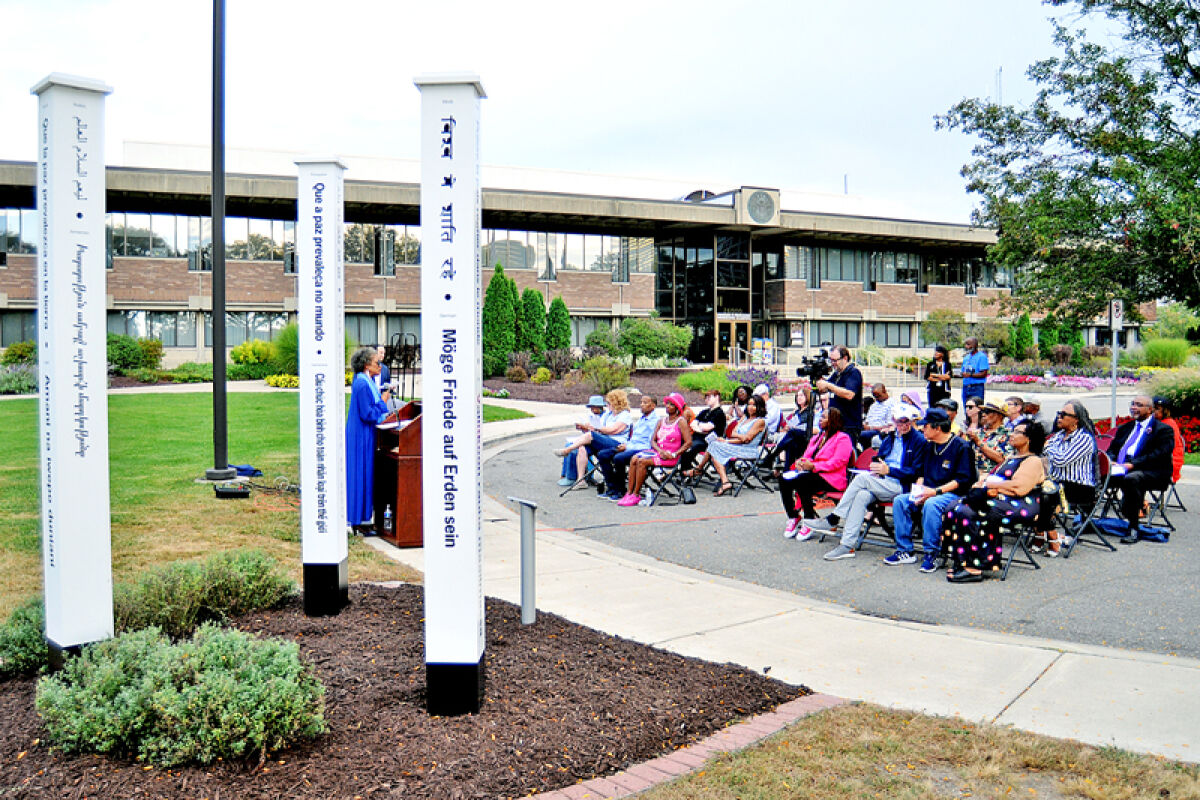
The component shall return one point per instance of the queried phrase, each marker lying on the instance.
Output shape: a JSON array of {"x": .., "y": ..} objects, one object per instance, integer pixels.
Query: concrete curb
[{"x": 686, "y": 760}]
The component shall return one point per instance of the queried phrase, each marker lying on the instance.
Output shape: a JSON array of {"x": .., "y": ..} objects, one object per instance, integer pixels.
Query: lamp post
[{"x": 221, "y": 470}]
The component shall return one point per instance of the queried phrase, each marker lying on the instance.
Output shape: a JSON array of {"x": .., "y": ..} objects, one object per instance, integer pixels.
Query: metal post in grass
[
  {"x": 221, "y": 470},
  {"x": 528, "y": 566},
  {"x": 72, "y": 364}
]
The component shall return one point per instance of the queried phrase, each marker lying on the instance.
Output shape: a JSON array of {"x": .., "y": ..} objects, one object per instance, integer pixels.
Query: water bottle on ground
[{"x": 387, "y": 521}]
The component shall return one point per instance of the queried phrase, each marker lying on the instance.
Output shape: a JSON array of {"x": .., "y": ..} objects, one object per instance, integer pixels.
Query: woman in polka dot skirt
[{"x": 974, "y": 530}]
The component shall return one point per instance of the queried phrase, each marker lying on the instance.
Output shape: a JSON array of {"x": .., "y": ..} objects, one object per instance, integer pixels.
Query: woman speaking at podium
[{"x": 368, "y": 407}]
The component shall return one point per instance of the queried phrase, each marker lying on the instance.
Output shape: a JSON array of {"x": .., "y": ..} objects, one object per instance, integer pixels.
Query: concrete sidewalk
[{"x": 1142, "y": 702}]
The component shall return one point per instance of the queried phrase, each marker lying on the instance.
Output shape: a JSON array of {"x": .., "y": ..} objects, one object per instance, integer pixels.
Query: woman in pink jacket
[{"x": 822, "y": 468}]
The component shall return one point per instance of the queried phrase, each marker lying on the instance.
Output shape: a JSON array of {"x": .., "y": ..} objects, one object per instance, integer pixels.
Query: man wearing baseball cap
[
  {"x": 892, "y": 473},
  {"x": 946, "y": 471}
]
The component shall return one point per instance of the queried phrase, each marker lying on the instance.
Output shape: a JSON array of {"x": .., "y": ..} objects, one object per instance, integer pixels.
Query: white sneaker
[
  {"x": 792, "y": 528},
  {"x": 805, "y": 533}
]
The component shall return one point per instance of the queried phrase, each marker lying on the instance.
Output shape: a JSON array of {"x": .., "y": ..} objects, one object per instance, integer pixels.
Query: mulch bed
[
  {"x": 655, "y": 382},
  {"x": 564, "y": 703}
]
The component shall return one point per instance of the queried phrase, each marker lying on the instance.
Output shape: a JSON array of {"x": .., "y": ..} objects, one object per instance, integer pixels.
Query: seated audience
[
  {"x": 945, "y": 471},
  {"x": 989, "y": 442},
  {"x": 615, "y": 455},
  {"x": 711, "y": 418},
  {"x": 878, "y": 419},
  {"x": 797, "y": 427},
  {"x": 1141, "y": 458},
  {"x": 737, "y": 408},
  {"x": 774, "y": 412},
  {"x": 822, "y": 468},
  {"x": 1070, "y": 456},
  {"x": 974, "y": 529},
  {"x": 892, "y": 472},
  {"x": 1031, "y": 408},
  {"x": 1013, "y": 408},
  {"x": 743, "y": 442},
  {"x": 672, "y": 436},
  {"x": 972, "y": 416},
  {"x": 950, "y": 406},
  {"x": 574, "y": 456}
]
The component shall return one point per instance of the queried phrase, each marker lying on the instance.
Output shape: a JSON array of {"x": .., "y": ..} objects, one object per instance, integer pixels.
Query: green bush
[
  {"x": 516, "y": 375},
  {"x": 143, "y": 375},
  {"x": 1022, "y": 338},
  {"x": 286, "y": 355},
  {"x": 533, "y": 322},
  {"x": 23, "y": 641},
  {"x": 558, "y": 326},
  {"x": 18, "y": 379},
  {"x": 1166, "y": 352},
  {"x": 604, "y": 339},
  {"x": 499, "y": 324},
  {"x": 542, "y": 376},
  {"x": 605, "y": 374},
  {"x": 191, "y": 372},
  {"x": 124, "y": 353},
  {"x": 705, "y": 380},
  {"x": 152, "y": 353},
  {"x": 177, "y": 597},
  {"x": 19, "y": 353},
  {"x": 252, "y": 351},
  {"x": 1181, "y": 388},
  {"x": 248, "y": 372},
  {"x": 221, "y": 695}
]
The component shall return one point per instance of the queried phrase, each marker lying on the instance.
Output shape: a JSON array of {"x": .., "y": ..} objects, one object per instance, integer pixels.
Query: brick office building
[{"x": 733, "y": 266}]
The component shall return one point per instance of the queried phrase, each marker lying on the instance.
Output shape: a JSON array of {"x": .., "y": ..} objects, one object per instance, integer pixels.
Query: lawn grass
[
  {"x": 159, "y": 444},
  {"x": 866, "y": 751}
]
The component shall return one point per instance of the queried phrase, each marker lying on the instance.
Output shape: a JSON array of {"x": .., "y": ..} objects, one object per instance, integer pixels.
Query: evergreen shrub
[
  {"x": 23, "y": 641},
  {"x": 558, "y": 326},
  {"x": 19, "y": 353}
]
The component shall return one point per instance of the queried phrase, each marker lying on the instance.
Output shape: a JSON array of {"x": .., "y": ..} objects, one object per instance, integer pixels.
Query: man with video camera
[{"x": 846, "y": 385}]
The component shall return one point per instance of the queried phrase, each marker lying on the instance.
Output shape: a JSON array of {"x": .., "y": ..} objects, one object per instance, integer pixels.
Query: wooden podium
[{"x": 398, "y": 478}]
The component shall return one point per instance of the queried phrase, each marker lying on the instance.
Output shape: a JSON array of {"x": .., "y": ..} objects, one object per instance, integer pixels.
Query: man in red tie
[{"x": 1141, "y": 454}]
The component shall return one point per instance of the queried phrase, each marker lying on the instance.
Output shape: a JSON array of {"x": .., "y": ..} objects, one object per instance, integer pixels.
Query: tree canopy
[{"x": 1094, "y": 187}]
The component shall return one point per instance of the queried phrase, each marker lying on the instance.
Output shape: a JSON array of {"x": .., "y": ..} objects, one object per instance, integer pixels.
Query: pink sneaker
[
  {"x": 805, "y": 533},
  {"x": 629, "y": 500},
  {"x": 790, "y": 530}
]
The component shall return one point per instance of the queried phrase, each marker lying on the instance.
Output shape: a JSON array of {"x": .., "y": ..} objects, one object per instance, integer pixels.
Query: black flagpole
[{"x": 220, "y": 470}]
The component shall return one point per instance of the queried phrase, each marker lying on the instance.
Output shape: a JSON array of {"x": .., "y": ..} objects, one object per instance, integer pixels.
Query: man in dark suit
[{"x": 1142, "y": 448}]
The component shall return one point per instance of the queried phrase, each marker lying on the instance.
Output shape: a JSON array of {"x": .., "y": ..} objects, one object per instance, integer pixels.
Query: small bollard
[{"x": 528, "y": 572}]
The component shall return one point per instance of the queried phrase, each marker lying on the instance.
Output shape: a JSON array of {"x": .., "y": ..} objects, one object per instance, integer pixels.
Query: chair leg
[{"x": 1021, "y": 543}]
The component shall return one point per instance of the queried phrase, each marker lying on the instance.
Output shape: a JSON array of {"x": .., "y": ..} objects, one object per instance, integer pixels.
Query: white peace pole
[
  {"x": 452, "y": 391},
  {"x": 319, "y": 265},
  {"x": 72, "y": 363}
]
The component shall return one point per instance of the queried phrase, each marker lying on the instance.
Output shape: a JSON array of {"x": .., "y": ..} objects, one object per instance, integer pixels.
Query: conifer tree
[
  {"x": 499, "y": 335},
  {"x": 558, "y": 326},
  {"x": 533, "y": 311}
]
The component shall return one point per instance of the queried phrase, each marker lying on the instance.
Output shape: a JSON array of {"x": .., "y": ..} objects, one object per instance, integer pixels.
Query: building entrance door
[{"x": 732, "y": 334}]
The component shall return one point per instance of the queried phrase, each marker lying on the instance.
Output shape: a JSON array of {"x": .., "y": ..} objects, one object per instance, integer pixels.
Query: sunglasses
[
  {"x": 1067, "y": 414},
  {"x": 971, "y": 405}
]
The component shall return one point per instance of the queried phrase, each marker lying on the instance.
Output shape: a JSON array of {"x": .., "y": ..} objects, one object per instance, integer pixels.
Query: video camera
[{"x": 815, "y": 367}]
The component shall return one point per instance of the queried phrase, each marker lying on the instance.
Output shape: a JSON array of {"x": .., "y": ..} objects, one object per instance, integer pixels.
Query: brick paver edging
[{"x": 639, "y": 778}]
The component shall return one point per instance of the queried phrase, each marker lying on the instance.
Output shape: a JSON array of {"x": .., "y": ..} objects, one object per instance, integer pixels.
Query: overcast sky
[{"x": 794, "y": 94}]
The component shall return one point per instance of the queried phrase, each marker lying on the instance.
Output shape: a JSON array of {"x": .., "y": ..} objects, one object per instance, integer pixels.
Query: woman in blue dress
[{"x": 368, "y": 407}]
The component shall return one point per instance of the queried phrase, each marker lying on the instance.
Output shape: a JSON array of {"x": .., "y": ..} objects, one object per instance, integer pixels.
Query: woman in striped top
[{"x": 1071, "y": 457}]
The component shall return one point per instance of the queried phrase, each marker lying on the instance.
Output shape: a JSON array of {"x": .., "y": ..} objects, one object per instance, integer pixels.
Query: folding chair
[
  {"x": 1160, "y": 502},
  {"x": 1021, "y": 536},
  {"x": 591, "y": 476},
  {"x": 877, "y": 516},
  {"x": 665, "y": 482},
  {"x": 1087, "y": 525},
  {"x": 752, "y": 470}
]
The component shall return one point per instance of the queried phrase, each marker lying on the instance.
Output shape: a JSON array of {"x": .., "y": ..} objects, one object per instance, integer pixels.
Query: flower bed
[{"x": 1063, "y": 381}]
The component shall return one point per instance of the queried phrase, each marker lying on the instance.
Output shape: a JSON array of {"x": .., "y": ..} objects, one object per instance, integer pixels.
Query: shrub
[
  {"x": 124, "y": 353},
  {"x": 1166, "y": 352},
  {"x": 177, "y": 597},
  {"x": 190, "y": 372},
  {"x": 248, "y": 372},
  {"x": 1022, "y": 338},
  {"x": 19, "y": 353},
  {"x": 1181, "y": 388},
  {"x": 605, "y": 374},
  {"x": 533, "y": 321},
  {"x": 1061, "y": 354},
  {"x": 705, "y": 380},
  {"x": 645, "y": 338},
  {"x": 522, "y": 359},
  {"x": 559, "y": 361},
  {"x": 1096, "y": 351},
  {"x": 516, "y": 375},
  {"x": 143, "y": 375},
  {"x": 558, "y": 327},
  {"x": 286, "y": 356},
  {"x": 542, "y": 376},
  {"x": 22, "y": 640},
  {"x": 221, "y": 695},
  {"x": 152, "y": 353},
  {"x": 18, "y": 379},
  {"x": 254, "y": 351},
  {"x": 283, "y": 381},
  {"x": 602, "y": 341},
  {"x": 870, "y": 355},
  {"x": 499, "y": 394},
  {"x": 499, "y": 324}
]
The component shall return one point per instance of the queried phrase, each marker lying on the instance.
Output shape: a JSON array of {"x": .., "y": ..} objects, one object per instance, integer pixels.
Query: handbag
[{"x": 687, "y": 495}]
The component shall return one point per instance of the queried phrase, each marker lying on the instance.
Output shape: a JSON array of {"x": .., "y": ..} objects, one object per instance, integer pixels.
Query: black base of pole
[
  {"x": 454, "y": 689},
  {"x": 56, "y": 654},
  {"x": 227, "y": 474},
  {"x": 326, "y": 589}
]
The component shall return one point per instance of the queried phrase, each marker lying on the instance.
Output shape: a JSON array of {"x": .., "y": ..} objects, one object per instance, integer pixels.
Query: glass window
[
  {"x": 29, "y": 231},
  {"x": 237, "y": 235},
  {"x": 17, "y": 326},
  {"x": 734, "y": 246},
  {"x": 547, "y": 256},
  {"x": 733, "y": 274},
  {"x": 260, "y": 241},
  {"x": 643, "y": 250},
  {"x": 888, "y": 334},
  {"x": 831, "y": 333},
  {"x": 572, "y": 251},
  {"x": 10, "y": 230},
  {"x": 137, "y": 235},
  {"x": 353, "y": 246},
  {"x": 127, "y": 323},
  {"x": 733, "y": 301},
  {"x": 172, "y": 328},
  {"x": 404, "y": 324},
  {"x": 908, "y": 268},
  {"x": 162, "y": 238},
  {"x": 408, "y": 245},
  {"x": 362, "y": 329}
]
